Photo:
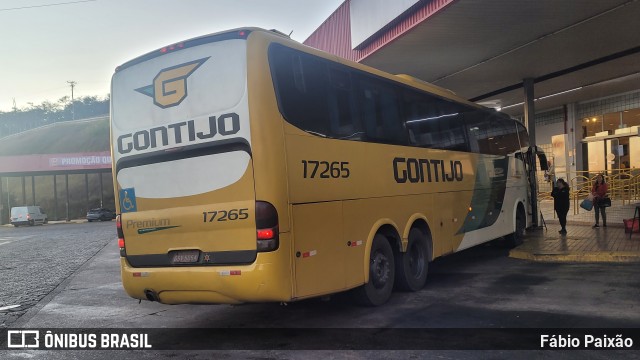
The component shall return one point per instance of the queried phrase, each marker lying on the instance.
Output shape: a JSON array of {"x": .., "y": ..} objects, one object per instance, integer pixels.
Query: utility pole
[{"x": 73, "y": 109}]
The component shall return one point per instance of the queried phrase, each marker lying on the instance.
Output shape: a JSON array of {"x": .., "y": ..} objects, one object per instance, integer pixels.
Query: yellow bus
[{"x": 251, "y": 168}]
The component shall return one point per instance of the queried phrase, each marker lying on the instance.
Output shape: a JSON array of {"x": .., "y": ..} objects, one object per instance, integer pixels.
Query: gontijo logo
[{"x": 169, "y": 87}]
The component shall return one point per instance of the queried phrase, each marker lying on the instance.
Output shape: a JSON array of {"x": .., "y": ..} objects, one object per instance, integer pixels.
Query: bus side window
[
  {"x": 505, "y": 136},
  {"x": 381, "y": 112},
  {"x": 478, "y": 132},
  {"x": 523, "y": 135},
  {"x": 372, "y": 127},
  {"x": 298, "y": 74},
  {"x": 344, "y": 122},
  {"x": 433, "y": 122},
  {"x": 300, "y": 88}
]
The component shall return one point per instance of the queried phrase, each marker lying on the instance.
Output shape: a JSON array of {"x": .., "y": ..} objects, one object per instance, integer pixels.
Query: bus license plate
[{"x": 185, "y": 256}]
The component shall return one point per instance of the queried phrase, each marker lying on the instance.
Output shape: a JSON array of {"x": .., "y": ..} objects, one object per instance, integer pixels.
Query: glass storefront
[
  {"x": 621, "y": 152},
  {"x": 610, "y": 122}
]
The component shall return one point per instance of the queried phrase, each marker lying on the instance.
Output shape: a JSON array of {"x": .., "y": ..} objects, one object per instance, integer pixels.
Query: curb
[
  {"x": 578, "y": 222},
  {"x": 610, "y": 256},
  {"x": 62, "y": 222},
  {"x": 56, "y": 222}
]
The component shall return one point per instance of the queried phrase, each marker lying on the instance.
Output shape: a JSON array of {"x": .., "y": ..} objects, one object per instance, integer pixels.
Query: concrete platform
[{"x": 582, "y": 243}]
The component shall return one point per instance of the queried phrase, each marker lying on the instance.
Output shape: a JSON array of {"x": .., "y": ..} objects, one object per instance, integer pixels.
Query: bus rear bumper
[{"x": 262, "y": 281}]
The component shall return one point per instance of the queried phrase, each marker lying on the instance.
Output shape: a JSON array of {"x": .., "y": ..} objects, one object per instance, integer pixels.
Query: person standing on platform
[
  {"x": 560, "y": 194},
  {"x": 599, "y": 192}
]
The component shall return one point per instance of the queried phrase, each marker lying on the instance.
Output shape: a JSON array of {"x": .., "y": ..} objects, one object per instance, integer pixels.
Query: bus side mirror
[{"x": 542, "y": 158}]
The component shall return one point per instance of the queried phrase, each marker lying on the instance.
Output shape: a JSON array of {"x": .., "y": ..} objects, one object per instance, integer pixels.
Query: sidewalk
[
  {"x": 582, "y": 243},
  {"x": 577, "y": 215}
]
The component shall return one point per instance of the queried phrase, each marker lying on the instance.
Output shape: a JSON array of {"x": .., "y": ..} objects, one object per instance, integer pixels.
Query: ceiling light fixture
[
  {"x": 544, "y": 97},
  {"x": 506, "y": 107},
  {"x": 559, "y": 93}
]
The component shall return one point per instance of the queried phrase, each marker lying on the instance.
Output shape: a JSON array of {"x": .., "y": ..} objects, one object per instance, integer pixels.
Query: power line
[{"x": 47, "y": 5}]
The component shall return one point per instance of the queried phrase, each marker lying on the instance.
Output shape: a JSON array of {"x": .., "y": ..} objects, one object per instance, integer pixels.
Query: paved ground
[
  {"x": 582, "y": 243},
  {"x": 35, "y": 260},
  {"x": 67, "y": 276},
  {"x": 480, "y": 289}
]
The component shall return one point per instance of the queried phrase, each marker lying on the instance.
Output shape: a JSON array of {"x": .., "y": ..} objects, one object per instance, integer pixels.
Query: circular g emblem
[{"x": 170, "y": 85}]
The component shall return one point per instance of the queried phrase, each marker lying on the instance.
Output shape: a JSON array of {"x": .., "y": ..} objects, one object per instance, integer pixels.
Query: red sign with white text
[{"x": 55, "y": 162}]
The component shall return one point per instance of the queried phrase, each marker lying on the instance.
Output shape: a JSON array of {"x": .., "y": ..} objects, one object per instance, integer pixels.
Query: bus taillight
[
  {"x": 120, "y": 235},
  {"x": 265, "y": 234},
  {"x": 266, "y": 226}
]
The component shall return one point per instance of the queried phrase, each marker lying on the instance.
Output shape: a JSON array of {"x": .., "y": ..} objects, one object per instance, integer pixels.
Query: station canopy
[{"x": 575, "y": 50}]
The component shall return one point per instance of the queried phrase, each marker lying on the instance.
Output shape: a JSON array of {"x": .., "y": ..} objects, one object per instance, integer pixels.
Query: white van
[{"x": 27, "y": 215}]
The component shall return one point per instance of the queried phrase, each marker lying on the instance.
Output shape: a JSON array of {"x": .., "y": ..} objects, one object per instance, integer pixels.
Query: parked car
[
  {"x": 100, "y": 214},
  {"x": 28, "y": 215}
]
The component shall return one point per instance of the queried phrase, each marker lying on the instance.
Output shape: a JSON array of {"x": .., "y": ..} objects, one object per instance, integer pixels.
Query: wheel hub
[{"x": 379, "y": 270}]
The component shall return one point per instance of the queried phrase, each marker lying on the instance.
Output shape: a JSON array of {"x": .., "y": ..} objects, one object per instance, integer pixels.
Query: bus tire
[
  {"x": 381, "y": 274},
  {"x": 517, "y": 237},
  {"x": 412, "y": 266}
]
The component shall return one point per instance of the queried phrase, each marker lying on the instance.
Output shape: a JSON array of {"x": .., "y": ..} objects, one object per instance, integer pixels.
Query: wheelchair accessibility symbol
[{"x": 128, "y": 200}]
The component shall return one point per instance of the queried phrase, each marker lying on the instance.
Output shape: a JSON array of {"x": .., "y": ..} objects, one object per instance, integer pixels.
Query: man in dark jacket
[{"x": 560, "y": 195}]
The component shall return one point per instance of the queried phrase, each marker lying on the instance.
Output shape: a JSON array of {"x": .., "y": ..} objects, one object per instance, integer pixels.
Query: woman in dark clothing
[
  {"x": 560, "y": 195},
  {"x": 599, "y": 192}
]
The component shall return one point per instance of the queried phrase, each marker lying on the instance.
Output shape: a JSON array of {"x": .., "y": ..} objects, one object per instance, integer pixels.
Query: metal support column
[
  {"x": 55, "y": 198},
  {"x": 101, "y": 191},
  {"x": 24, "y": 191},
  {"x": 2, "y": 204},
  {"x": 33, "y": 190},
  {"x": 8, "y": 196},
  {"x": 530, "y": 122},
  {"x": 575, "y": 135},
  {"x": 86, "y": 189},
  {"x": 66, "y": 183}
]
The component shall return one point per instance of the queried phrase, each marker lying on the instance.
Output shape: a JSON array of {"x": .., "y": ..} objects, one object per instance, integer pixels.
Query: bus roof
[{"x": 238, "y": 33}]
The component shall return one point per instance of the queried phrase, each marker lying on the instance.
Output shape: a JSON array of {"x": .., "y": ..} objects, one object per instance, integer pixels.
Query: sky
[{"x": 46, "y": 43}]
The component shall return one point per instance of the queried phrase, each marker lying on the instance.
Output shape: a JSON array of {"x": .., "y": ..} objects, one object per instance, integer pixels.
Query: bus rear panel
[{"x": 190, "y": 226}]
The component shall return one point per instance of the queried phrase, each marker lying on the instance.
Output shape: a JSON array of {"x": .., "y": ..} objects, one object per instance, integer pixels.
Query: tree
[{"x": 32, "y": 116}]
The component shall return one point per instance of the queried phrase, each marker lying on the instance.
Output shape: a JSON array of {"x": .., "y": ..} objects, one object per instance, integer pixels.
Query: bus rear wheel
[
  {"x": 517, "y": 237},
  {"x": 412, "y": 266},
  {"x": 381, "y": 274}
]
